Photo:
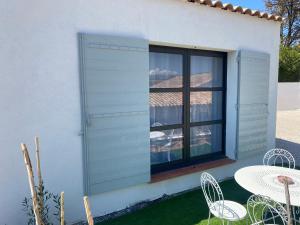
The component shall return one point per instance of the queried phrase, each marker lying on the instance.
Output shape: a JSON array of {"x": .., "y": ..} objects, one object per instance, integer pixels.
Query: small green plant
[
  {"x": 50, "y": 203},
  {"x": 57, "y": 207},
  {"x": 42, "y": 205}
]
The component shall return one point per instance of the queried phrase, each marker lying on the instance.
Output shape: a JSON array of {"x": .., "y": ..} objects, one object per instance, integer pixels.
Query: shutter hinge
[
  {"x": 236, "y": 154},
  {"x": 237, "y": 107},
  {"x": 238, "y": 58},
  {"x": 88, "y": 119}
]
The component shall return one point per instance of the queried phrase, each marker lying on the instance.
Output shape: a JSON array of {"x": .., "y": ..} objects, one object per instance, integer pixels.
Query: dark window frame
[{"x": 186, "y": 124}]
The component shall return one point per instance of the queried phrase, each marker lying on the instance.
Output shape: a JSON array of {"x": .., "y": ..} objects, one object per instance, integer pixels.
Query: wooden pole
[
  {"x": 62, "y": 209},
  {"x": 39, "y": 173},
  {"x": 38, "y": 219},
  {"x": 88, "y": 211},
  {"x": 288, "y": 201}
]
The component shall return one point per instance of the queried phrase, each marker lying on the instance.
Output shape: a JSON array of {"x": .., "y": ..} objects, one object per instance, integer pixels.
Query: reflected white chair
[
  {"x": 169, "y": 144},
  {"x": 225, "y": 210},
  {"x": 264, "y": 211},
  {"x": 169, "y": 140},
  {"x": 279, "y": 157},
  {"x": 156, "y": 124}
]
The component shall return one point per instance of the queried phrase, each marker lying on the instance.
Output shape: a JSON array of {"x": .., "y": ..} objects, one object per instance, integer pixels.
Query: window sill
[{"x": 189, "y": 170}]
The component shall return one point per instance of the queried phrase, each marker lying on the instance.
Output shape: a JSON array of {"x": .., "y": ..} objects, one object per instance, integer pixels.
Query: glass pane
[
  {"x": 165, "y": 108},
  {"x": 206, "y": 71},
  {"x": 165, "y": 70},
  {"x": 206, "y": 106},
  {"x": 166, "y": 146},
  {"x": 206, "y": 139}
]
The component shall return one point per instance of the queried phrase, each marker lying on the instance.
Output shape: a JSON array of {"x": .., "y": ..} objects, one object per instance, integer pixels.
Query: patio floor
[
  {"x": 186, "y": 209},
  {"x": 288, "y": 132}
]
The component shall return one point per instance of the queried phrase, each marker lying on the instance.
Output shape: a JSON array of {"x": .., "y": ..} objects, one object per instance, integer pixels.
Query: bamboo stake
[
  {"x": 88, "y": 211},
  {"x": 62, "y": 209},
  {"x": 39, "y": 172},
  {"x": 38, "y": 220}
]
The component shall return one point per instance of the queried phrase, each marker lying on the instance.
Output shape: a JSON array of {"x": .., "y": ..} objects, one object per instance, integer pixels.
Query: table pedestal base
[{"x": 286, "y": 181}]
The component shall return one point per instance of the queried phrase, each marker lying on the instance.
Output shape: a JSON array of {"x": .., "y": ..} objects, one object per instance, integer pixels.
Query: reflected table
[
  {"x": 155, "y": 137},
  {"x": 269, "y": 181},
  {"x": 156, "y": 134}
]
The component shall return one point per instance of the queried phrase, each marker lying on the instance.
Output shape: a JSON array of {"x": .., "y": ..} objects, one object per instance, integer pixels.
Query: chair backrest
[
  {"x": 156, "y": 124},
  {"x": 279, "y": 157},
  {"x": 212, "y": 192},
  {"x": 263, "y": 210}
]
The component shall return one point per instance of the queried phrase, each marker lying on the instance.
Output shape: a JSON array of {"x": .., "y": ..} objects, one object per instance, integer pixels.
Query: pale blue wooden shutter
[
  {"x": 115, "y": 99},
  {"x": 253, "y": 99}
]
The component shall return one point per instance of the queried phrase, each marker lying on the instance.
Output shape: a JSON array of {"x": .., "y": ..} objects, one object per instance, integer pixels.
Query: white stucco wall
[
  {"x": 288, "y": 96},
  {"x": 40, "y": 95}
]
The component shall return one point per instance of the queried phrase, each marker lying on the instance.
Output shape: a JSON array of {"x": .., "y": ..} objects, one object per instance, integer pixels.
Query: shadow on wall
[{"x": 292, "y": 147}]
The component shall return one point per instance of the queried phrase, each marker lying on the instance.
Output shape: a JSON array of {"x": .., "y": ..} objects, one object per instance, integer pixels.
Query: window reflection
[
  {"x": 205, "y": 106},
  {"x": 205, "y": 140},
  {"x": 165, "y": 70},
  {"x": 206, "y": 71},
  {"x": 166, "y": 145},
  {"x": 165, "y": 108}
]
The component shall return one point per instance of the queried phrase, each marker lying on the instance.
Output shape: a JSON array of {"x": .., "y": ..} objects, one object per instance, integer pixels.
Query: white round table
[
  {"x": 263, "y": 180},
  {"x": 156, "y": 134}
]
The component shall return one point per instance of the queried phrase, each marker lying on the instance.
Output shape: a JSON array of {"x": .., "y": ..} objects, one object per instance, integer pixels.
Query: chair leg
[
  {"x": 296, "y": 213},
  {"x": 208, "y": 218},
  {"x": 223, "y": 222}
]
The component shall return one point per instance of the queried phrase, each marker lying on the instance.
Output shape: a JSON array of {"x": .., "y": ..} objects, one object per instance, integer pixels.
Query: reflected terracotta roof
[
  {"x": 238, "y": 9},
  {"x": 175, "y": 99},
  {"x": 197, "y": 80},
  {"x": 167, "y": 99}
]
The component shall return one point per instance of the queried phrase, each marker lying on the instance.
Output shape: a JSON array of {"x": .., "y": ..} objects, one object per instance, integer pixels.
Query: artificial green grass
[{"x": 187, "y": 209}]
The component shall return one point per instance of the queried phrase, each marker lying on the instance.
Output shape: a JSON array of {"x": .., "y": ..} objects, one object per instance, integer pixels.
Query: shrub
[{"x": 289, "y": 65}]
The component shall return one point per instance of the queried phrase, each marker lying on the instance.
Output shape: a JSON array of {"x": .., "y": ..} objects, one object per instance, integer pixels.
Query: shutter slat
[
  {"x": 117, "y": 183},
  {"x": 115, "y": 84}
]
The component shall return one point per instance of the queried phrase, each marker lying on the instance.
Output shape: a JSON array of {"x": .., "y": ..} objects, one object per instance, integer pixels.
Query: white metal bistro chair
[
  {"x": 225, "y": 210},
  {"x": 264, "y": 211},
  {"x": 283, "y": 158},
  {"x": 279, "y": 157}
]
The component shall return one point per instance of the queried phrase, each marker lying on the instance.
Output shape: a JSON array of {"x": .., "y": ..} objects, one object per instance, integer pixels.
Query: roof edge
[{"x": 238, "y": 9}]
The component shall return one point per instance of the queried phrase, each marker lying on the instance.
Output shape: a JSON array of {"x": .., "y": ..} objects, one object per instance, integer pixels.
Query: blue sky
[{"x": 253, "y": 4}]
